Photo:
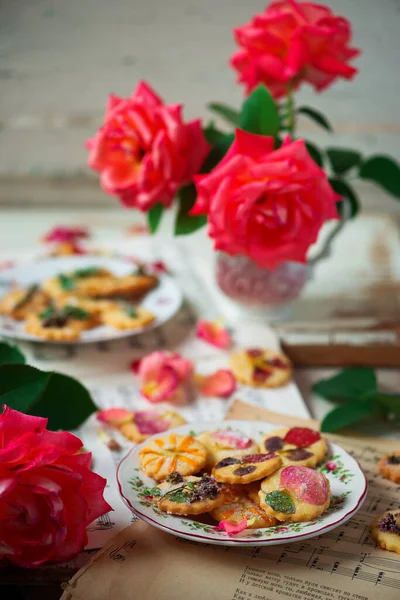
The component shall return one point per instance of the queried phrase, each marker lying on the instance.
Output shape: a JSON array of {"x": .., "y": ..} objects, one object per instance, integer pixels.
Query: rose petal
[
  {"x": 221, "y": 383},
  {"x": 213, "y": 333},
  {"x": 230, "y": 527},
  {"x": 163, "y": 388},
  {"x": 14, "y": 423},
  {"x": 114, "y": 416}
]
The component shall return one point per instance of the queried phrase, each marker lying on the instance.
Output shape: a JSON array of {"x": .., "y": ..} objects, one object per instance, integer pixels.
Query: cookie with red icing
[
  {"x": 295, "y": 494},
  {"x": 246, "y": 469},
  {"x": 223, "y": 443},
  {"x": 299, "y": 446},
  {"x": 259, "y": 367}
]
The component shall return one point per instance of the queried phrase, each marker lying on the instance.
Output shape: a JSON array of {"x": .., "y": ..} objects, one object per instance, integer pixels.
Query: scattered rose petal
[
  {"x": 221, "y": 383},
  {"x": 62, "y": 233},
  {"x": 158, "y": 267},
  {"x": 150, "y": 421},
  {"x": 214, "y": 333},
  {"x": 230, "y": 527},
  {"x": 114, "y": 416},
  {"x": 135, "y": 365}
]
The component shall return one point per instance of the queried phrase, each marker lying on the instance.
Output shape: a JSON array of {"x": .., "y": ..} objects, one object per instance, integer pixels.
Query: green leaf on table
[
  {"x": 354, "y": 383},
  {"x": 383, "y": 171},
  {"x": 259, "y": 113},
  {"x": 348, "y": 414},
  {"x": 315, "y": 153},
  {"x": 62, "y": 399},
  {"x": 186, "y": 223},
  {"x": 350, "y": 198},
  {"x": 154, "y": 217},
  {"x": 316, "y": 116},
  {"x": 342, "y": 159},
  {"x": 226, "y": 112},
  {"x": 10, "y": 354}
]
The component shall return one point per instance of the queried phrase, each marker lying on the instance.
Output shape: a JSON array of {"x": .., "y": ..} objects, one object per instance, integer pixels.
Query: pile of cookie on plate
[
  {"x": 64, "y": 306},
  {"x": 233, "y": 478}
]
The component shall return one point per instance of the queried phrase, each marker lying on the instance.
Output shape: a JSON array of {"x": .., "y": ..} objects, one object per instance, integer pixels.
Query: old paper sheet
[{"x": 143, "y": 562}]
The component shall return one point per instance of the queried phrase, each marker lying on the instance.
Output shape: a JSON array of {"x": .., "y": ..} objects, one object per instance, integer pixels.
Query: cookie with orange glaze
[
  {"x": 173, "y": 452},
  {"x": 238, "y": 506},
  {"x": 259, "y": 367}
]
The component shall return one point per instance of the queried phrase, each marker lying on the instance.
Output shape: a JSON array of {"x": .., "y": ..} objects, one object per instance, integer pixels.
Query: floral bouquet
[{"x": 264, "y": 193}]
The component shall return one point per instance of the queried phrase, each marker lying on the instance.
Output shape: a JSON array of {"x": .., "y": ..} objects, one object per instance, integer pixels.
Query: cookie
[
  {"x": 60, "y": 325},
  {"x": 223, "y": 443},
  {"x": 246, "y": 469},
  {"x": 19, "y": 303},
  {"x": 299, "y": 446},
  {"x": 189, "y": 495},
  {"x": 127, "y": 317},
  {"x": 134, "y": 286},
  {"x": 173, "y": 452},
  {"x": 259, "y": 367},
  {"x": 145, "y": 423},
  {"x": 386, "y": 531},
  {"x": 238, "y": 506},
  {"x": 389, "y": 466},
  {"x": 295, "y": 494},
  {"x": 91, "y": 281}
]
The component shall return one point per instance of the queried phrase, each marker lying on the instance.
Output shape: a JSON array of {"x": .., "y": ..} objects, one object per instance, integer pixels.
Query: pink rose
[
  {"x": 291, "y": 43},
  {"x": 145, "y": 152},
  {"x": 48, "y": 494},
  {"x": 163, "y": 376},
  {"x": 266, "y": 204}
]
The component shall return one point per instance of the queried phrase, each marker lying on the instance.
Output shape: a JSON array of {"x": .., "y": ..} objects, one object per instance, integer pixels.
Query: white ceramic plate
[
  {"x": 348, "y": 486},
  {"x": 164, "y": 301}
]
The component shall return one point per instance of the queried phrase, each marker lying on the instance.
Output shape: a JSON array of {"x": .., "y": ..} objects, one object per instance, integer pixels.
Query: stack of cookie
[
  {"x": 66, "y": 305},
  {"x": 233, "y": 478}
]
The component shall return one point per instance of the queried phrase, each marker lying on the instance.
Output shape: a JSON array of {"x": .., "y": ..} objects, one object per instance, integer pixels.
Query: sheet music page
[{"x": 343, "y": 564}]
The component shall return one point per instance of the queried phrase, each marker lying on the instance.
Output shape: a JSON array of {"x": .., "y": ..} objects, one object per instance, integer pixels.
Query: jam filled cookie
[
  {"x": 246, "y": 469},
  {"x": 386, "y": 531},
  {"x": 261, "y": 368},
  {"x": 20, "y": 303},
  {"x": 299, "y": 446},
  {"x": 64, "y": 325},
  {"x": 238, "y": 506},
  {"x": 170, "y": 453},
  {"x": 127, "y": 317},
  {"x": 223, "y": 443},
  {"x": 189, "y": 495},
  {"x": 145, "y": 423},
  {"x": 295, "y": 494},
  {"x": 389, "y": 466}
]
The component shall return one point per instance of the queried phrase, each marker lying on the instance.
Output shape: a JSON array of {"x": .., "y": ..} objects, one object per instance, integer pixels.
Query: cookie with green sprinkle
[{"x": 189, "y": 495}]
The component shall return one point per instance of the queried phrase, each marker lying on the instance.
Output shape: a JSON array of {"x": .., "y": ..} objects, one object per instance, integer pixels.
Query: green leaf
[
  {"x": 10, "y": 354},
  {"x": 67, "y": 282},
  {"x": 390, "y": 403},
  {"x": 86, "y": 272},
  {"x": 356, "y": 383},
  {"x": 62, "y": 399},
  {"x": 47, "y": 313},
  {"x": 383, "y": 171},
  {"x": 348, "y": 414},
  {"x": 221, "y": 143},
  {"x": 315, "y": 153},
  {"x": 342, "y": 159},
  {"x": 259, "y": 113},
  {"x": 316, "y": 116},
  {"x": 75, "y": 313},
  {"x": 229, "y": 114},
  {"x": 154, "y": 217},
  {"x": 280, "y": 501},
  {"x": 186, "y": 223},
  {"x": 343, "y": 188}
]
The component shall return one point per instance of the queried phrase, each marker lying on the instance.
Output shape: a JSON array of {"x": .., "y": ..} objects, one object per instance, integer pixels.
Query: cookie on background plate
[
  {"x": 66, "y": 324},
  {"x": 299, "y": 446},
  {"x": 146, "y": 423},
  {"x": 126, "y": 316},
  {"x": 386, "y": 530},
  {"x": 225, "y": 442},
  {"x": 389, "y": 466},
  {"x": 189, "y": 495},
  {"x": 19, "y": 303},
  {"x": 258, "y": 367},
  {"x": 170, "y": 453},
  {"x": 238, "y": 506},
  {"x": 246, "y": 469},
  {"x": 295, "y": 494}
]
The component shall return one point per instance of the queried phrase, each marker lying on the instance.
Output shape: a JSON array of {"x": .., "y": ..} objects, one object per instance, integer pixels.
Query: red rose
[
  {"x": 266, "y": 204},
  {"x": 48, "y": 494},
  {"x": 144, "y": 151},
  {"x": 294, "y": 42}
]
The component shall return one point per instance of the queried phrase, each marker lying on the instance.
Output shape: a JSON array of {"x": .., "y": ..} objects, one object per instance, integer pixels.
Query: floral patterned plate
[
  {"x": 348, "y": 485},
  {"x": 164, "y": 301}
]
